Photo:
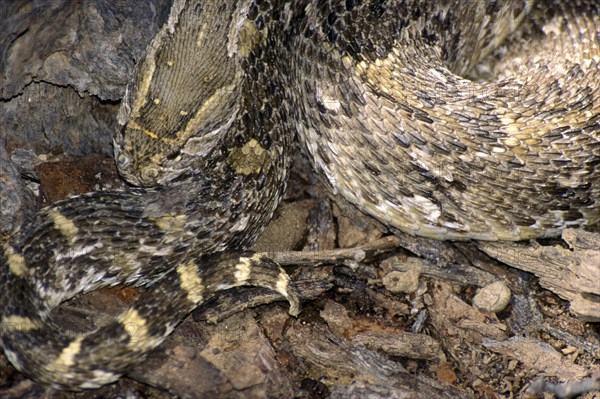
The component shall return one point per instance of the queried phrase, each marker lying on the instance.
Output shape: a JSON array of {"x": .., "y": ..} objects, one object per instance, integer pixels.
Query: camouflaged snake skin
[{"x": 373, "y": 92}]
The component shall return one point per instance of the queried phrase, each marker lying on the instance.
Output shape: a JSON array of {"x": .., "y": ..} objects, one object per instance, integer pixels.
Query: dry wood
[{"x": 572, "y": 273}]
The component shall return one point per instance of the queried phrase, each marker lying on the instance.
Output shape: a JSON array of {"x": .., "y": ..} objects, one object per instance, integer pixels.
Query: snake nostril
[{"x": 149, "y": 173}]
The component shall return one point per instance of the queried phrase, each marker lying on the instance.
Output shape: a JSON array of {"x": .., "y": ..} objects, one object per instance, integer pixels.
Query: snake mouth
[
  {"x": 134, "y": 173},
  {"x": 148, "y": 173}
]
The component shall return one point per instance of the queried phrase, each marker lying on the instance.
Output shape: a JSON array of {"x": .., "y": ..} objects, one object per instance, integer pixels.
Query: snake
[{"x": 444, "y": 119}]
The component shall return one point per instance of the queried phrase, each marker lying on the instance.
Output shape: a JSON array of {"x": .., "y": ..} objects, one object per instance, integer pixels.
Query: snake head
[
  {"x": 158, "y": 142},
  {"x": 183, "y": 96},
  {"x": 147, "y": 159}
]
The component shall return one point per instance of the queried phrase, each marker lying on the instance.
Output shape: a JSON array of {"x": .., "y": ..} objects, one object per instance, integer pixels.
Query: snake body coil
[{"x": 373, "y": 90}]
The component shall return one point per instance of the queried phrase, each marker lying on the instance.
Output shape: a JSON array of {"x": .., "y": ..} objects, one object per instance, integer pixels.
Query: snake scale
[{"x": 376, "y": 93}]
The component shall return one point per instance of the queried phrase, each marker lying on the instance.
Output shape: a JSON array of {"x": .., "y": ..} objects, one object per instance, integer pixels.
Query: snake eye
[
  {"x": 174, "y": 154},
  {"x": 123, "y": 160}
]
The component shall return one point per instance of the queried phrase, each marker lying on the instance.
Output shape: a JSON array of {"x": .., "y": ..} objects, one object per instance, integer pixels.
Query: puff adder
[{"x": 375, "y": 93}]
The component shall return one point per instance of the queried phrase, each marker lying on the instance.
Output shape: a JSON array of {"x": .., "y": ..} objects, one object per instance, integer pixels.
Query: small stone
[
  {"x": 494, "y": 297},
  {"x": 406, "y": 281},
  {"x": 336, "y": 317}
]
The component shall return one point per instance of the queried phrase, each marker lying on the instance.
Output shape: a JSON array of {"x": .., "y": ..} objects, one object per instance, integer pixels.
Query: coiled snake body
[{"x": 373, "y": 90}]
